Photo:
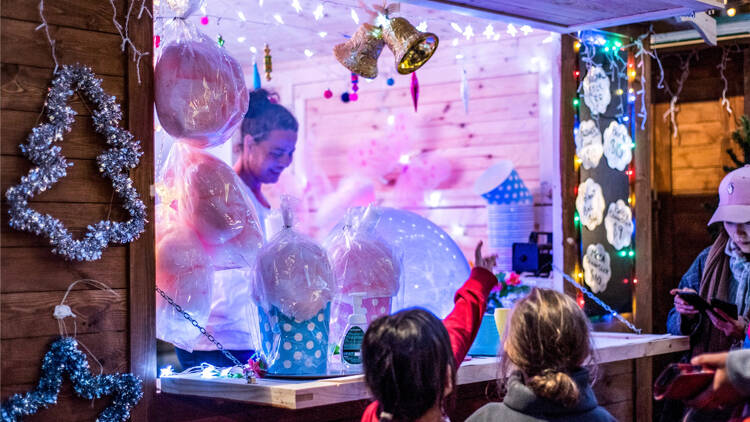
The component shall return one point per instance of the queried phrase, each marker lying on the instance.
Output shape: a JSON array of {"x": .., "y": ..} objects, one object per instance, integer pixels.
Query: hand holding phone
[{"x": 682, "y": 381}]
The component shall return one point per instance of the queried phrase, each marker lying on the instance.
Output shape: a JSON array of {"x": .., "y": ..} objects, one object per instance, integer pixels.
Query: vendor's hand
[
  {"x": 488, "y": 263},
  {"x": 721, "y": 392},
  {"x": 728, "y": 325},
  {"x": 680, "y": 305}
]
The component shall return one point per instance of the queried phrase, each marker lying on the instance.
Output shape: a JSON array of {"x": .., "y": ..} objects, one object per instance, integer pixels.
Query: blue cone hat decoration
[{"x": 501, "y": 185}]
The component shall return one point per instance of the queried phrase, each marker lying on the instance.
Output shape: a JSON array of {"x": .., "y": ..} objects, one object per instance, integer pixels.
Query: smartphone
[
  {"x": 695, "y": 300},
  {"x": 682, "y": 381},
  {"x": 728, "y": 308}
]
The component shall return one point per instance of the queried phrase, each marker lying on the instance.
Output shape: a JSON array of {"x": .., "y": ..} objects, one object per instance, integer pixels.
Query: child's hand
[{"x": 488, "y": 263}]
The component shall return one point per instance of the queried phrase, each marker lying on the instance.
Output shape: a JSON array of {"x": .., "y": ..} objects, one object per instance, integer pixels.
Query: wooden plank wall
[
  {"x": 33, "y": 279},
  {"x": 503, "y": 122}
]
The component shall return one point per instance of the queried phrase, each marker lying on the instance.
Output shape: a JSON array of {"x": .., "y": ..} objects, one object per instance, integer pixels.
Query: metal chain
[{"x": 203, "y": 331}]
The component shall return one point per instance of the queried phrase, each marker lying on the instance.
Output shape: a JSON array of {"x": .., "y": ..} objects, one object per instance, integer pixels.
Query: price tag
[
  {"x": 596, "y": 268},
  {"x": 590, "y": 204},
  {"x": 619, "y": 224},
  {"x": 596, "y": 93}
]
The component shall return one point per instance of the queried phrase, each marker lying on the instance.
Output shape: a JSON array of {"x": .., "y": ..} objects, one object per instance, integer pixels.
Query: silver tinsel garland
[
  {"x": 114, "y": 163},
  {"x": 64, "y": 358}
]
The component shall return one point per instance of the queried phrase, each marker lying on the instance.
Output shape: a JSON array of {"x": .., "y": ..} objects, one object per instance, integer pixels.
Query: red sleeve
[{"x": 470, "y": 303}]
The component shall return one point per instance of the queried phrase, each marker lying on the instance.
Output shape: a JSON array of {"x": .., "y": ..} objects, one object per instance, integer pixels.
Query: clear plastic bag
[
  {"x": 184, "y": 272},
  {"x": 363, "y": 262},
  {"x": 293, "y": 293},
  {"x": 205, "y": 223},
  {"x": 200, "y": 92}
]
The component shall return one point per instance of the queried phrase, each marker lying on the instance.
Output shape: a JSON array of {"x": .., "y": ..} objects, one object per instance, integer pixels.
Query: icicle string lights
[{"x": 671, "y": 113}]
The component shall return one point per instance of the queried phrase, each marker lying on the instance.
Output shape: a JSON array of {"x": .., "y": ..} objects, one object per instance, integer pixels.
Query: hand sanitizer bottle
[{"x": 351, "y": 343}]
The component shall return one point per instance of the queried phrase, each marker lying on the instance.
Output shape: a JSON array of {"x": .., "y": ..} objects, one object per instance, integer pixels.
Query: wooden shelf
[{"x": 295, "y": 394}]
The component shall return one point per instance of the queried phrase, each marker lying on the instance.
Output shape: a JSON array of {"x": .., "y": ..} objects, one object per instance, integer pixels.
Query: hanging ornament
[
  {"x": 204, "y": 20},
  {"x": 596, "y": 267},
  {"x": 50, "y": 166},
  {"x": 619, "y": 224},
  {"x": 157, "y": 41},
  {"x": 596, "y": 93},
  {"x": 414, "y": 90},
  {"x": 360, "y": 53},
  {"x": 390, "y": 81},
  {"x": 64, "y": 358},
  {"x": 220, "y": 41},
  {"x": 411, "y": 48},
  {"x": 345, "y": 97},
  {"x": 256, "y": 76},
  {"x": 590, "y": 204},
  {"x": 618, "y": 146},
  {"x": 355, "y": 80},
  {"x": 589, "y": 147},
  {"x": 465, "y": 90},
  {"x": 327, "y": 93},
  {"x": 267, "y": 62}
]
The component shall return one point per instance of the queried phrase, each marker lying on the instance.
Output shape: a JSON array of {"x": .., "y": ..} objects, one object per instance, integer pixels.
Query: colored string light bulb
[
  {"x": 576, "y": 46},
  {"x": 576, "y": 101}
]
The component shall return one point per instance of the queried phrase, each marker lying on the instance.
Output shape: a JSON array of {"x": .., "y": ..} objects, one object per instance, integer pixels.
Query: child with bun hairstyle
[
  {"x": 546, "y": 343},
  {"x": 410, "y": 358}
]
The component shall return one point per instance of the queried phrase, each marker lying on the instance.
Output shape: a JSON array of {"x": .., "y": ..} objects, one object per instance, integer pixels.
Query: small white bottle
[{"x": 354, "y": 333}]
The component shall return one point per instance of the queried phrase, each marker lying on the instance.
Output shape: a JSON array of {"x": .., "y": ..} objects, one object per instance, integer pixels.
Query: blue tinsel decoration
[{"x": 63, "y": 358}]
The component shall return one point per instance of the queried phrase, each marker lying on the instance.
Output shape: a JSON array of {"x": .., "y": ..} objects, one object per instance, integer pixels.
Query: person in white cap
[{"x": 721, "y": 271}]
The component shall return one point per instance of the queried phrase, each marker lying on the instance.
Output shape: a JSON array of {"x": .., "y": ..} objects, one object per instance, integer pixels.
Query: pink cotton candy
[
  {"x": 209, "y": 197},
  {"x": 365, "y": 264},
  {"x": 294, "y": 273},
  {"x": 200, "y": 91},
  {"x": 184, "y": 272}
]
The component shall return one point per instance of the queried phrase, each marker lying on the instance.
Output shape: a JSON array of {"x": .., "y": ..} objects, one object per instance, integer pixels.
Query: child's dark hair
[
  {"x": 264, "y": 115},
  {"x": 547, "y": 338},
  {"x": 407, "y": 359}
]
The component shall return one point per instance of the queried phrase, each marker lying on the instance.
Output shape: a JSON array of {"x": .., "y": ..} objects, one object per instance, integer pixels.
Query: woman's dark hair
[
  {"x": 264, "y": 115},
  {"x": 405, "y": 357},
  {"x": 547, "y": 338}
]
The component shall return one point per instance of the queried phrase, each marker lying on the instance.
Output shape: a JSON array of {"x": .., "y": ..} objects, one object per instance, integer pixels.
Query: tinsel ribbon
[{"x": 64, "y": 358}]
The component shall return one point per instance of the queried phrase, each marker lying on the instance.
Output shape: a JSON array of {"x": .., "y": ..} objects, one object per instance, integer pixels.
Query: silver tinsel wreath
[{"x": 51, "y": 166}]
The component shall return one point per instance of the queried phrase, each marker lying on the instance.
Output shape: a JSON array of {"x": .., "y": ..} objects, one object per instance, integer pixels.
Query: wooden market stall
[{"x": 520, "y": 93}]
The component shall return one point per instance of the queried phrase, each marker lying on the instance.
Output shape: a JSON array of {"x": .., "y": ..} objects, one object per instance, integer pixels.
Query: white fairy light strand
[
  {"x": 671, "y": 113},
  {"x": 722, "y": 66},
  {"x": 126, "y": 41},
  {"x": 46, "y": 33}
]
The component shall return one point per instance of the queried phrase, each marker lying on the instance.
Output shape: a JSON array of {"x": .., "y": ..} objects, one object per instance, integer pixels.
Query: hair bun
[
  {"x": 556, "y": 386},
  {"x": 260, "y": 99}
]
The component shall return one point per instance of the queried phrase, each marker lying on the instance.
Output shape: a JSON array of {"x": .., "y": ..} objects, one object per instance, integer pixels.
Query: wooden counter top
[{"x": 296, "y": 394}]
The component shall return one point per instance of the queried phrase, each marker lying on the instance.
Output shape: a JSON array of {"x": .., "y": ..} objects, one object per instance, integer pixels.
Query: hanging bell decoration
[
  {"x": 267, "y": 64},
  {"x": 410, "y": 47},
  {"x": 360, "y": 53}
]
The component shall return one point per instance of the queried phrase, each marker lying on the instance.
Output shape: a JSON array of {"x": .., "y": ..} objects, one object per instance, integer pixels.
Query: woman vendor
[{"x": 269, "y": 136}]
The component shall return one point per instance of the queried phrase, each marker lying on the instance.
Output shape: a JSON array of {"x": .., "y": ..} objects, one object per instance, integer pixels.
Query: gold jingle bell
[
  {"x": 411, "y": 47},
  {"x": 360, "y": 53}
]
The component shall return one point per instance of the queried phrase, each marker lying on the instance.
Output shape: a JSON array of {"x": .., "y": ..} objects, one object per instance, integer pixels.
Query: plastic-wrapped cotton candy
[
  {"x": 200, "y": 91},
  {"x": 365, "y": 263},
  {"x": 210, "y": 198},
  {"x": 294, "y": 273},
  {"x": 294, "y": 292},
  {"x": 184, "y": 272}
]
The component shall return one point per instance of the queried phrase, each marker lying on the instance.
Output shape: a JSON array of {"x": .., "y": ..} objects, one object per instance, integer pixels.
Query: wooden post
[
  {"x": 746, "y": 84},
  {"x": 643, "y": 308},
  {"x": 568, "y": 176},
  {"x": 142, "y": 315}
]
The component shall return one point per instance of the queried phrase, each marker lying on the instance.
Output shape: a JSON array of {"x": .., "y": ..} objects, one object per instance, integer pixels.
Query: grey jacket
[
  {"x": 738, "y": 370},
  {"x": 522, "y": 405}
]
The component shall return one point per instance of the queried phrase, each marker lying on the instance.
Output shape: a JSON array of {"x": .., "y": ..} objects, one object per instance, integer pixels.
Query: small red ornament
[
  {"x": 328, "y": 93},
  {"x": 157, "y": 41},
  {"x": 204, "y": 20},
  {"x": 353, "y": 96}
]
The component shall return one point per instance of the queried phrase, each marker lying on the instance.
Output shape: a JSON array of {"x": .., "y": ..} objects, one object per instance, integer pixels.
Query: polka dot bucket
[{"x": 295, "y": 347}]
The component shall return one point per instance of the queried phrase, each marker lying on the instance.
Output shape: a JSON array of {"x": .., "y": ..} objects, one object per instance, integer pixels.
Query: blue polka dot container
[
  {"x": 294, "y": 347},
  {"x": 511, "y": 192}
]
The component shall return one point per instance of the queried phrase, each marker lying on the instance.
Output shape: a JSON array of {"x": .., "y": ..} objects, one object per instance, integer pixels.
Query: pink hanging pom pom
[
  {"x": 157, "y": 41},
  {"x": 353, "y": 97},
  {"x": 204, "y": 20},
  {"x": 328, "y": 93}
]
